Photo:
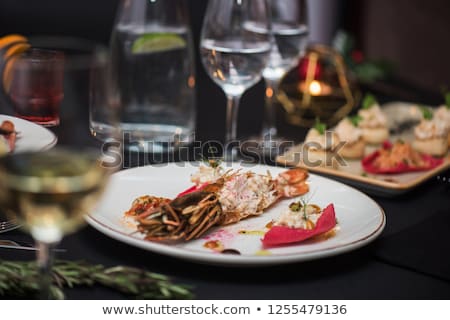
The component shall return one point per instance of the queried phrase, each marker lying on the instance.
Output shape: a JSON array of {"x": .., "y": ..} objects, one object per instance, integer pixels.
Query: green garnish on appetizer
[
  {"x": 368, "y": 101},
  {"x": 355, "y": 120},
  {"x": 427, "y": 113},
  {"x": 295, "y": 206},
  {"x": 320, "y": 126},
  {"x": 447, "y": 100}
]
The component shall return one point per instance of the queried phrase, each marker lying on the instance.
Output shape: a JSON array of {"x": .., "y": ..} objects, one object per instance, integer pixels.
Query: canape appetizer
[
  {"x": 373, "y": 121},
  {"x": 399, "y": 157},
  {"x": 431, "y": 135},
  {"x": 349, "y": 133},
  {"x": 442, "y": 114},
  {"x": 321, "y": 145}
]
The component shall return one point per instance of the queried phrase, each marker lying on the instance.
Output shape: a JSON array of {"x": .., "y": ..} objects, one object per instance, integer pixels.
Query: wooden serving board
[{"x": 353, "y": 173}]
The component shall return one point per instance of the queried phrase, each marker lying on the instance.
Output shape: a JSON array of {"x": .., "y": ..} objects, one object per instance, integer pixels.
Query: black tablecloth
[{"x": 410, "y": 260}]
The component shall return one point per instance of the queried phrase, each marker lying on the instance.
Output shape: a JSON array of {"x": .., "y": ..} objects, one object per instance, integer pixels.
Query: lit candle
[{"x": 316, "y": 88}]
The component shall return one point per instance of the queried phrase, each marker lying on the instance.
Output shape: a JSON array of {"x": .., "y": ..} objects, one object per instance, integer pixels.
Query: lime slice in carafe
[{"x": 156, "y": 42}]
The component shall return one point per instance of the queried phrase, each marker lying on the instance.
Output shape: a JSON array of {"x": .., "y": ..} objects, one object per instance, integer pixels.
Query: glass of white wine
[{"x": 49, "y": 192}]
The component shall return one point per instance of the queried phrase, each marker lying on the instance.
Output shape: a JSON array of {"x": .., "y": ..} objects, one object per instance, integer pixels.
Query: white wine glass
[
  {"x": 289, "y": 36},
  {"x": 235, "y": 46},
  {"x": 49, "y": 192}
]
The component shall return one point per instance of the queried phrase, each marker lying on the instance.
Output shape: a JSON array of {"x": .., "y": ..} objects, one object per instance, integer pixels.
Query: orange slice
[
  {"x": 10, "y": 39},
  {"x": 12, "y": 45},
  {"x": 16, "y": 49}
]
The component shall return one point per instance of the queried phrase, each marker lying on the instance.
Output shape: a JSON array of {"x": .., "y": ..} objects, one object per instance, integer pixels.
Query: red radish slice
[{"x": 279, "y": 235}]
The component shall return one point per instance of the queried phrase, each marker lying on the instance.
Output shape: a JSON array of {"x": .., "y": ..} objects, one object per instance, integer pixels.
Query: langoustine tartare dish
[{"x": 217, "y": 198}]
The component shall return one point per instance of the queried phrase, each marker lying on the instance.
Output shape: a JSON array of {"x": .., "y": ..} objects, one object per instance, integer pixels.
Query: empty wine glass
[
  {"x": 235, "y": 46},
  {"x": 289, "y": 33}
]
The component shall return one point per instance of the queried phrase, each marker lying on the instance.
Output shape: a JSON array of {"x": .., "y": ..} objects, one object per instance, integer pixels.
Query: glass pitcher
[{"x": 153, "y": 69}]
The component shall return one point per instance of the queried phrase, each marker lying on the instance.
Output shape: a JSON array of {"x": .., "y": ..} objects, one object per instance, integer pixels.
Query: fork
[
  {"x": 10, "y": 244},
  {"x": 8, "y": 225}
]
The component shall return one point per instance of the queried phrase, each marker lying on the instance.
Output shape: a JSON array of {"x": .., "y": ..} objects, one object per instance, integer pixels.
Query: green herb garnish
[
  {"x": 427, "y": 113},
  {"x": 213, "y": 162},
  {"x": 368, "y": 101},
  {"x": 20, "y": 279},
  {"x": 447, "y": 100},
  {"x": 300, "y": 206},
  {"x": 320, "y": 126},
  {"x": 295, "y": 206},
  {"x": 355, "y": 120}
]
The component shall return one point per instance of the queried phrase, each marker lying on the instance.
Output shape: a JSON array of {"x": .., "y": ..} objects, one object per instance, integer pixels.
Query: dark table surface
[{"x": 410, "y": 260}]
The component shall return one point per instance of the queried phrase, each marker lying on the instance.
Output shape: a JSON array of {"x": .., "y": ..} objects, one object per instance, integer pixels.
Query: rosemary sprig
[{"x": 20, "y": 279}]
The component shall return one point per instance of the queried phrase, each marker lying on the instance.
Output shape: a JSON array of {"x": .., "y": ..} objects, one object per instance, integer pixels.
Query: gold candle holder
[{"x": 320, "y": 87}]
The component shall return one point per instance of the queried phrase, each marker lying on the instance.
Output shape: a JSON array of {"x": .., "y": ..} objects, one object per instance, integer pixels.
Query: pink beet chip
[{"x": 279, "y": 235}]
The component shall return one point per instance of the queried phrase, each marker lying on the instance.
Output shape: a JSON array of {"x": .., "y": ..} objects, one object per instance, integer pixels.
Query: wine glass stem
[
  {"x": 269, "y": 125},
  {"x": 232, "y": 112},
  {"x": 45, "y": 264}
]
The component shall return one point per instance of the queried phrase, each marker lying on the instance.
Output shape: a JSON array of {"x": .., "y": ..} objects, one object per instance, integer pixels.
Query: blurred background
[{"x": 411, "y": 36}]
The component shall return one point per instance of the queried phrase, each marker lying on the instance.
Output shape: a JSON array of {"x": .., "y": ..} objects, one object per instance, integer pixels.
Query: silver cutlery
[{"x": 8, "y": 225}]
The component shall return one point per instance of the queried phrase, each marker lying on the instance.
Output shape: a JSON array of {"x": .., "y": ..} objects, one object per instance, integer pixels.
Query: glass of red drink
[{"x": 36, "y": 89}]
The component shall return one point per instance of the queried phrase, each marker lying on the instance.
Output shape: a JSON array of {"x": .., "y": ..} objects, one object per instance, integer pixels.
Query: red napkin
[
  {"x": 279, "y": 235},
  {"x": 368, "y": 163}
]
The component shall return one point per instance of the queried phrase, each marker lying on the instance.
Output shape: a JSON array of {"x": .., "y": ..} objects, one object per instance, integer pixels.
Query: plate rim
[{"x": 239, "y": 260}]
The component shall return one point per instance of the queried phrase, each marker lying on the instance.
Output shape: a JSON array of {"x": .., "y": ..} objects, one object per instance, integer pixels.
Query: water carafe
[{"x": 153, "y": 68}]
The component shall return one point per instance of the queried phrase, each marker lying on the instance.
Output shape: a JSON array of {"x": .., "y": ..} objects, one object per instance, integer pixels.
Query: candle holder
[{"x": 319, "y": 87}]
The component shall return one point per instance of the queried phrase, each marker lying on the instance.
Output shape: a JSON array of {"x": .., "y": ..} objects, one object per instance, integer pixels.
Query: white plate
[
  {"x": 31, "y": 137},
  {"x": 361, "y": 220}
]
